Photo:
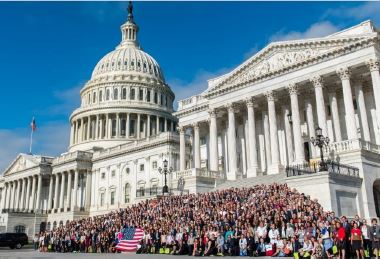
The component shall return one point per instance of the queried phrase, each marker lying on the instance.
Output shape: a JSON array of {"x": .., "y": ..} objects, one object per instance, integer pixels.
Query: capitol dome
[{"x": 126, "y": 98}]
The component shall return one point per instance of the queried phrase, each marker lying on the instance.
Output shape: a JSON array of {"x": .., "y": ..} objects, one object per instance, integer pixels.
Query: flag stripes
[{"x": 130, "y": 240}]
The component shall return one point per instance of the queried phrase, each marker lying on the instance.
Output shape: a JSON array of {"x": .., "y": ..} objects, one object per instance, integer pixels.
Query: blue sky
[{"x": 48, "y": 51}]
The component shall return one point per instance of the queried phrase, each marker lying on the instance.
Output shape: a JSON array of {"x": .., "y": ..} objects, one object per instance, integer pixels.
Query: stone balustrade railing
[
  {"x": 191, "y": 101},
  {"x": 350, "y": 145},
  {"x": 139, "y": 143},
  {"x": 80, "y": 155},
  {"x": 198, "y": 172}
]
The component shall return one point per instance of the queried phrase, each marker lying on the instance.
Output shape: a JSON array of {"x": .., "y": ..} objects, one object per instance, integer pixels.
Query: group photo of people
[{"x": 264, "y": 220}]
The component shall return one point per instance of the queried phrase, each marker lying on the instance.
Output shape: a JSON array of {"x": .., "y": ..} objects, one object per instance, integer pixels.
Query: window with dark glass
[
  {"x": 124, "y": 94},
  {"x": 148, "y": 96},
  {"x": 155, "y": 97},
  {"x": 132, "y": 94},
  {"x": 115, "y": 94},
  {"x": 141, "y": 94}
]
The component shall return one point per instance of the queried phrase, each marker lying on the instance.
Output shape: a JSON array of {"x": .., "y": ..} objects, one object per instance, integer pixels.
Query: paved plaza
[{"x": 31, "y": 254}]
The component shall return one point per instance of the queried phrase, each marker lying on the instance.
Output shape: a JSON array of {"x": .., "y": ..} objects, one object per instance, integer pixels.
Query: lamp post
[
  {"x": 165, "y": 171},
  {"x": 320, "y": 141}
]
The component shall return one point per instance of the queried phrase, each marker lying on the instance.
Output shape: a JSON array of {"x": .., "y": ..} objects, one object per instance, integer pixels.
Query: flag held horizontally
[{"x": 130, "y": 240}]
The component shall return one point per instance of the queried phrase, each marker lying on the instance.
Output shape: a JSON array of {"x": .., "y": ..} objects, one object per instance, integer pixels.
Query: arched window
[
  {"x": 148, "y": 96},
  {"x": 20, "y": 229},
  {"x": 100, "y": 95},
  {"x": 124, "y": 94},
  {"x": 94, "y": 97},
  {"x": 127, "y": 193},
  {"x": 155, "y": 98},
  {"x": 132, "y": 94},
  {"x": 115, "y": 94},
  {"x": 161, "y": 99},
  {"x": 107, "y": 94},
  {"x": 141, "y": 94}
]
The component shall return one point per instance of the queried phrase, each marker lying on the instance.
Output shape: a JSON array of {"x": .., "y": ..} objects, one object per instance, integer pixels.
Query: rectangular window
[
  {"x": 100, "y": 95},
  {"x": 154, "y": 165},
  {"x": 148, "y": 96},
  {"x": 102, "y": 199},
  {"x": 161, "y": 99},
  {"x": 141, "y": 167},
  {"x": 202, "y": 141},
  {"x": 141, "y": 95},
  {"x": 155, "y": 98},
  {"x": 355, "y": 104},
  {"x": 113, "y": 173},
  {"x": 112, "y": 197},
  {"x": 132, "y": 94},
  {"x": 328, "y": 110},
  {"x": 103, "y": 175}
]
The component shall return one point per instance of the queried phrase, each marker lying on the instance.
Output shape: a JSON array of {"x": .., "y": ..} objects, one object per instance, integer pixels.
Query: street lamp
[
  {"x": 320, "y": 141},
  {"x": 165, "y": 171}
]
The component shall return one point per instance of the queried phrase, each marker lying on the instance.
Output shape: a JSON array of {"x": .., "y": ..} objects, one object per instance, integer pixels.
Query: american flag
[
  {"x": 130, "y": 240},
  {"x": 33, "y": 124}
]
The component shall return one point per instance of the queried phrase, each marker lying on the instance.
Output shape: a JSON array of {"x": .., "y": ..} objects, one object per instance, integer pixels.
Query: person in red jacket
[{"x": 341, "y": 240}]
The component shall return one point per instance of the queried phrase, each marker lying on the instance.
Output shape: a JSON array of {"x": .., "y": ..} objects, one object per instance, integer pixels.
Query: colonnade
[
  {"x": 23, "y": 194},
  {"x": 294, "y": 138},
  {"x": 118, "y": 125}
]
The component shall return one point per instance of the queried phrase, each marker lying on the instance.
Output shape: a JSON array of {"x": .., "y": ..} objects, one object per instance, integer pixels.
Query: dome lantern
[{"x": 129, "y": 29}]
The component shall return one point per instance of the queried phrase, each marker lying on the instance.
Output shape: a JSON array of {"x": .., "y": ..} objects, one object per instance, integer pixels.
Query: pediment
[
  {"x": 283, "y": 56},
  {"x": 22, "y": 162}
]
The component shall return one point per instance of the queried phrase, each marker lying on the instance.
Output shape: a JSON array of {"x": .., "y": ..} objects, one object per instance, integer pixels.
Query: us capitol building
[{"x": 252, "y": 125}]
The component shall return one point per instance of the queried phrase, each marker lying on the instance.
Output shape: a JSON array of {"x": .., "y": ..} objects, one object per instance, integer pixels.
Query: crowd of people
[{"x": 265, "y": 220}]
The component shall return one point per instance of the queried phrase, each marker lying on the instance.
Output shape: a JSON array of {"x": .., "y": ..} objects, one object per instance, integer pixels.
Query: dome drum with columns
[{"x": 126, "y": 98}]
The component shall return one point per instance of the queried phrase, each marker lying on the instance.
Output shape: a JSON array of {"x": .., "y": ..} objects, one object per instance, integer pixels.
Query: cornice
[
  {"x": 191, "y": 110},
  {"x": 357, "y": 45}
]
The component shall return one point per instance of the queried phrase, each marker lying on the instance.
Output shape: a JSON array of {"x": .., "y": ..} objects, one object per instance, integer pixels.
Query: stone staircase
[{"x": 249, "y": 182}]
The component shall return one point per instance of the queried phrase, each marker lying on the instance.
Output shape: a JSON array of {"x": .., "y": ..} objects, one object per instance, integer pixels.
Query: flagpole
[{"x": 31, "y": 141}]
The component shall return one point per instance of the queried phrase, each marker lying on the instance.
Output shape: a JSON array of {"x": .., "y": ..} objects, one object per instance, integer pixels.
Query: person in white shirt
[
  {"x": 273, "y": 234},
  {"x": 261, "y": 231}
]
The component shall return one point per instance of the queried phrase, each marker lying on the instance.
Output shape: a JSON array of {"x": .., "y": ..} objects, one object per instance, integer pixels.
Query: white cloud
[
  {"x": 197, "y": 85},
  {"x": 49, "y": 139},
  {"x": 364, "y": 11},
  {"x": 319, "y": 29}
]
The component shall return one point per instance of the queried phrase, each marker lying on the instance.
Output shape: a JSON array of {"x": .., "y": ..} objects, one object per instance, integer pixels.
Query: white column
[
  {"x": 17, "y": 195},
  {"x": 320, "y": 101},
  {"x": 310, "y": 123},
  {"x": 253, "y": 166},
  {"x": 68, "y": 198},
  {"x": 274, "y": 168},
  {"x": 27, "y": 199},
  {"x": 288, "y": 135},
  {"x": 12, "y": 196},
  {"x": 268, "y": 153},
  {"x": 298, "y": 145},
  {"x": 38, "y": 195},
  {"x": 62, "y": 192},
  {"x": 88, "y": 127},
  {"x": 117, "y": 125},
  {"x": 128, "y": 126},
  {"x": 157, "y": 125},
  {"x": 214, "y": 156},
  {"x": 138, "y": 130},
  {"x": 197, "y": 146},
  {"x": 101, "y": 130},
  {"x": 88, "y": 190},
  {"x": 335, "y": 116},
  {"x": 72, "y": 134},
  {"x": 96, "y": 127},
  {"x": 76, "y": 132},
  {"x": 81, "y": 129},
  {"x": 166, "y": 125},
  {"x": 32, "y": 203},
  {"x": 22, "y": 200},
  {"x": 362, "y": 111},
  {"x": 56, "y": 190},
  {"x": 148, "y": 126},
  {"x": 74, "y": 201},
  {"x": 182, "y": 149},
  {"x": 50, "y": 196},
  {"x": 232, "y": 161},
  {"x": 107, "y": 127},
  {"x": 344, "y": 74},
  {"x": 4, "y": 195},
  {"x": 373, "y": 65}
]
